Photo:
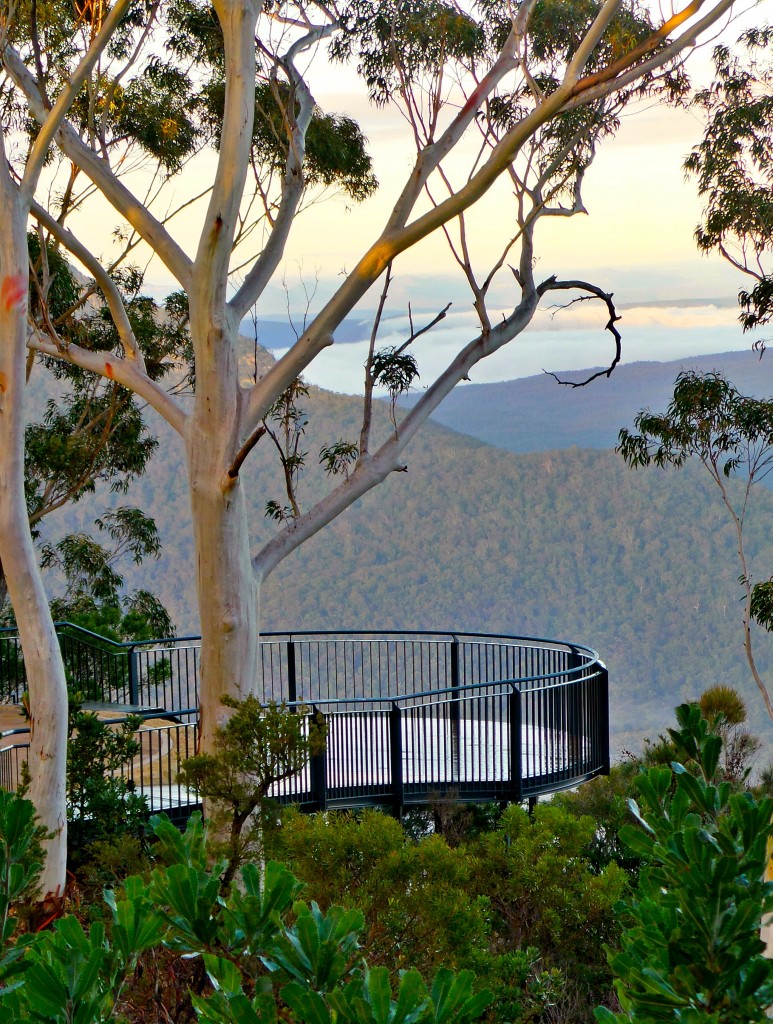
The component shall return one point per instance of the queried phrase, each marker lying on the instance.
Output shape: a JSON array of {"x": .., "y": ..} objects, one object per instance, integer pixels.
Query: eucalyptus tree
[
  {"x": 731, "y": 435},
  {"x": 733, "y": 167},
  {"x": 538, "y": 85},
  {"x": 20, "y": 176},
  {"x": 95, "y": 432}
]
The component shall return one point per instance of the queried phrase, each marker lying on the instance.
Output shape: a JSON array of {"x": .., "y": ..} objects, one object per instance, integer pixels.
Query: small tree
[
  {"x": 733, "y": 166},
  {"x": 730, "y": 434},
  {"x": 259, "y": 746},
  {"x": 101, "y": 802}
]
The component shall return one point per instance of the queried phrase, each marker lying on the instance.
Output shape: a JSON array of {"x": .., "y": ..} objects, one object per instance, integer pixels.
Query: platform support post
[{"x": 318, "y": 769}]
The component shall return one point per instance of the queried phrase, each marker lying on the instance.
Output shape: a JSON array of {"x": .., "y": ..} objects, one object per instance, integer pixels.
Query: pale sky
[{"x": 636, "y": 241}]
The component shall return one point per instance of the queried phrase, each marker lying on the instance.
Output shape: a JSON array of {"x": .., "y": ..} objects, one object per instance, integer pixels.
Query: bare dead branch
[
  {"x": 594, "y": 292},
  {"x": 423, "y": 330},
  {"x": 367, "y": 405}
]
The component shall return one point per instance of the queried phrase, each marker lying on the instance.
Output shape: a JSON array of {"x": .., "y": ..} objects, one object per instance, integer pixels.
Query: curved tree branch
[
  {"x": 105, "y": 283},
  {"x": 606, "y": 297},
  {"x": 292, "y": 186},
  {"x": 123, "y": 371}
]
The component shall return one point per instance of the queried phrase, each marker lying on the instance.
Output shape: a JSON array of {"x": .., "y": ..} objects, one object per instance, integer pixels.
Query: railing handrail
[
  {"x": 444, "y": 636},
  {"x": 488, "y": 716},
  {"x": 456, "y": 693}
]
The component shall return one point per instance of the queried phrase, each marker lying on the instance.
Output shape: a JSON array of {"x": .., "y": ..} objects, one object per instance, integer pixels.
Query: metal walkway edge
[{"x": 411, "y": 717}]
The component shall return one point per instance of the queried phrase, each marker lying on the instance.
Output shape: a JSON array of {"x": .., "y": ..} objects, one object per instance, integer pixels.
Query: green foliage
[
  {"x": 95, "y": 434},
  {"x": 733, "y": 166},
  {"x": 402, "y": 45},
  {"x": 101, "y": 804},
  {"x": 338, "y": 458},
  {"x": 93, "y": 595},
  {"x": 259, "y": 746},
  {"x": 416, "y": 897},
  {"x": 335, "y": 152},
  {"x": 20, "y": 864},
  {"x": 605, "y": 800},
  {"x": 544, "y": 891},
  {"x": 524, "y": 905},
  {"x": 154, "y": 111},
  {"x": 334, "y": 147},
  {"x": 707, "y": 418},
  {"x": 261, "y": 948},
  {"x": 399, "y": 41},
  {"x": 690, "y": 949},
  {"x": 285, "y": 423},
  {"x": 395, "y": 370}
]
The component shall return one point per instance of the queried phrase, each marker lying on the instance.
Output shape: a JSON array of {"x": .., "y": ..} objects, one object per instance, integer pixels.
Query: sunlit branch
[{"x": 51, "y": 123}]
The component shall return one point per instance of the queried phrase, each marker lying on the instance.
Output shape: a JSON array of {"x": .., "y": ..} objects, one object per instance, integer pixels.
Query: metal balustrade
[{"x": 410, "y": 717}]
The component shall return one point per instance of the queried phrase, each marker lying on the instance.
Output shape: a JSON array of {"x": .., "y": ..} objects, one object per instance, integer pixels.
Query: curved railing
[{"x": 410, "y": 716}]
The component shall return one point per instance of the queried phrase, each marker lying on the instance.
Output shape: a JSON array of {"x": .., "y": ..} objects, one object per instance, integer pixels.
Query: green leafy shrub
[
  {"x": 260, "y": 745},
  {"x": 524, "y": 905},
  {"x": 416, "y": 897},
  {"x": 691, "y": 950},
  {"x": 101, "y": 804},
  {"x": 263, "y": 951}
]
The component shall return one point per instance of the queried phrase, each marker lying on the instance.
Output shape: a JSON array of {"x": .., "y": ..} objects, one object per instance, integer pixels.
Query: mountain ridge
[{"x": 538, "y": 414}]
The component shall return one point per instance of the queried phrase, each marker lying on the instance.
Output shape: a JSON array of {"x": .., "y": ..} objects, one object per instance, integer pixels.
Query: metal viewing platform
[{"x": 411, "y": 717}]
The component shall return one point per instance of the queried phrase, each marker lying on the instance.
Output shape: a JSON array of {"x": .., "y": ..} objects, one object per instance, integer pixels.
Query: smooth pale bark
[
  {"x": 227, "y": 589},
  {"x": 46, "y": 680},
  {"x": 226, "y": 585},
  {"x": 42, "y": 657}
]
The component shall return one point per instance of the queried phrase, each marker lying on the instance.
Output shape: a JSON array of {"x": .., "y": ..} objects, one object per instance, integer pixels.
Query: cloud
[{"x": 649, "y": 333}]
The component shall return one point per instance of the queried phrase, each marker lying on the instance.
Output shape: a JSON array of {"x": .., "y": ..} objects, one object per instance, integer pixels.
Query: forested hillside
[
  {"x": 536, "y": 413},
  {"x": 569, "y": 544}
]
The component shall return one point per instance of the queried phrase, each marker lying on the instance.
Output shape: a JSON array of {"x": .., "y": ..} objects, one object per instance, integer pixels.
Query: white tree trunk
[
  {"x": 228, "y": 598},
  {"x": 42, "y": 657},
  {"x": 226, "y": 583}
]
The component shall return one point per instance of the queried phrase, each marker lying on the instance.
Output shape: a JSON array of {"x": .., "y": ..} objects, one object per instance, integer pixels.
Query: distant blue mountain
[{"x": 537, "y": 414}]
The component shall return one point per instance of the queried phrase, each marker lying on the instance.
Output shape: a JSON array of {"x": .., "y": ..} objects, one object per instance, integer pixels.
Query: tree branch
[
  {"x": 123, "y": 371},
  {"x": 106, "y": 284},
  {"x": 371, "y": 471},
  {"x": 293, "y": 184},
  {"x": 65, "y": 100},
  {"x": 210, "y": 269},
  {"x": 611, "y": 79},
  {"x": 606, "y": 297},
  {"x": 395, "y": 240},
  {"x": 367, "y": 403},
  {"x": 102, "y": 175},
  {"x": 244, "y": 451}
]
